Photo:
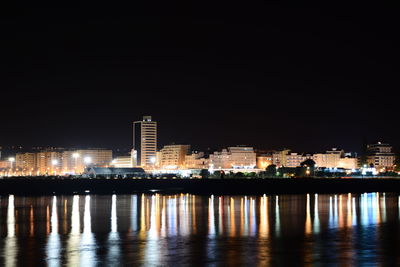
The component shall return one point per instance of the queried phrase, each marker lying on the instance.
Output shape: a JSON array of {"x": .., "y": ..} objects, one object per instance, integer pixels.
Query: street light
[
  {"x": 87, "y": 160},
  {"x": 54, "y": 162},
  {"x": 75, "y": 156},
  {"x": 11, "y": 160}
]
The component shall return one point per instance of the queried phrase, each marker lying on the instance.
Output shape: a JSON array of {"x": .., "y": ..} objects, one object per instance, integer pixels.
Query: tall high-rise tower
[{"x": 145, "y": 141}]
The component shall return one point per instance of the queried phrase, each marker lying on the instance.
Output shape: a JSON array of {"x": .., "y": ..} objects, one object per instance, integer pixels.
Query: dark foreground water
[{"x": 200, "y": 230}]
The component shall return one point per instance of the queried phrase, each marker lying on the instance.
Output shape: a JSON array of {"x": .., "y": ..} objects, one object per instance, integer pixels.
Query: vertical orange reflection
[
  {"x": 232, "y": 217},
  {"x": 142, "y": 216},
  {"x": 252, "y": 214},
  {"x": 164, "y": 217},
  {"x": 264, "y": 219},
  {"x": 152, "y": 255},
  {"x": 194, "y": 225},
  {"x": 308, "y": 216},
  {"x": 349, "y": 211},
  {"x": 241, "y": 216},
  {"x": 31, "y": 223},
  {"x": 220, "y": 215},
  {"x": 47, "y": 219}
]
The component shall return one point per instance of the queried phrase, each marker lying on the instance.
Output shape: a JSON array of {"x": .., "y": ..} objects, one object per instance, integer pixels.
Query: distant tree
[
  {"x": 204, "y": 173},
  {"x": 271, "y": 170},
  {"x": 251, "y": 174},
  {"x": 216, "y": 174},
  {"x": 308, "y": 163},
  {"x": 307, "y": 168},
  {"x": 239, "y": 175}
]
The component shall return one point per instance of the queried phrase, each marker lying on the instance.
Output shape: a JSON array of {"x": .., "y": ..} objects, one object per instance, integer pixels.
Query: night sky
[{"x": 265, "y": 75}]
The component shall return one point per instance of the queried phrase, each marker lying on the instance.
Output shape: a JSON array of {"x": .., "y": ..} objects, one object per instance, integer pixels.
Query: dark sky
[{"x": 211, "y": 74}]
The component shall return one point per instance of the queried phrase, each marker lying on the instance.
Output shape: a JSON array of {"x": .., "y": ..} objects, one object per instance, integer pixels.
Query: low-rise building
[
  {"x": 122, "y": 162},
  {"x": 348, "y": 163},
  {"x": 330, "y": 159},
  {"x": 173, "y": 156},
  {"x": 4, "y": 164},
  {"x": 48, "y": 163},
  {"x": 196, "y": 160},
  {"x": 100, "y": 172},
  {"x": 75, "y": 161},
  {"x": 263, "y": 161},
  {"x": 294, "y": 159},
  {"x": 279, "y": 157},
  {"x": 26, "y": 161},
  {"x": 234, "y": 158}
]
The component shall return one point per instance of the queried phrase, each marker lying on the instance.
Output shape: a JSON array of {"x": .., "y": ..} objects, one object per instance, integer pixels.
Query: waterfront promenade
[{"x": 34, "y": 186}]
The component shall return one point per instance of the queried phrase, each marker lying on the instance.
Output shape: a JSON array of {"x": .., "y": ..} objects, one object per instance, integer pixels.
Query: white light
[
  {"x": 153, "y": 160},
  {"x": 171, "y": 167},
  {"x": 75, "y": 155},
  {"x": 87, "y": 160},
  {"x": 11, "y": 159},
  {"x": 54, "y": 162}
]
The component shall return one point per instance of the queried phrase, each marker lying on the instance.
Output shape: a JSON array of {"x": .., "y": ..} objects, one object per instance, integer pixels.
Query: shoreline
[{"x": 57, "y": 186}]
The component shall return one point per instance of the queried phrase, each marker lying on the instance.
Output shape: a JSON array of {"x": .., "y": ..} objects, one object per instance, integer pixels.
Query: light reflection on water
[{"x": 168, "y": 229}]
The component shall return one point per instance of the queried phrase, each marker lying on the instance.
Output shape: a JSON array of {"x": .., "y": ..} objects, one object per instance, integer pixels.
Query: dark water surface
[{"x": 154, "y": 229}]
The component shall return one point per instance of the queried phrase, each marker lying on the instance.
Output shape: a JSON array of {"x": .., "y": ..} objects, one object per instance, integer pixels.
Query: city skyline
[{"x": 303, "y": 148}]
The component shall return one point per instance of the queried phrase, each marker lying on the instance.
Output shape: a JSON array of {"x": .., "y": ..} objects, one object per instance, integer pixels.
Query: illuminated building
[
  {"x": 158, "y": 159},
  {"x": 381, "y": 156},
  {"x": 74, "y": 162},
  {"x": 263, "y": 161},
  {"x": 234, "y": 158},
  {"x": 122, "y": 162},
  {"x": 25, "y": 161},
  {"x": 326, "y": 160},
  {"x": 145, "y": 141},
  {"x": 48, "y": 162},
  {"x": 294, "y": 160},
  {"x": 69, "y": 162},
  {"x": 173, "y": 156},
  {"x": 196, "y": 160},
  {"x": 279, "y": 157},
  {"x": 4, "y": 164},
  {"x": 348, "y": 163},
  {"x": 330, "y": 159}
]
